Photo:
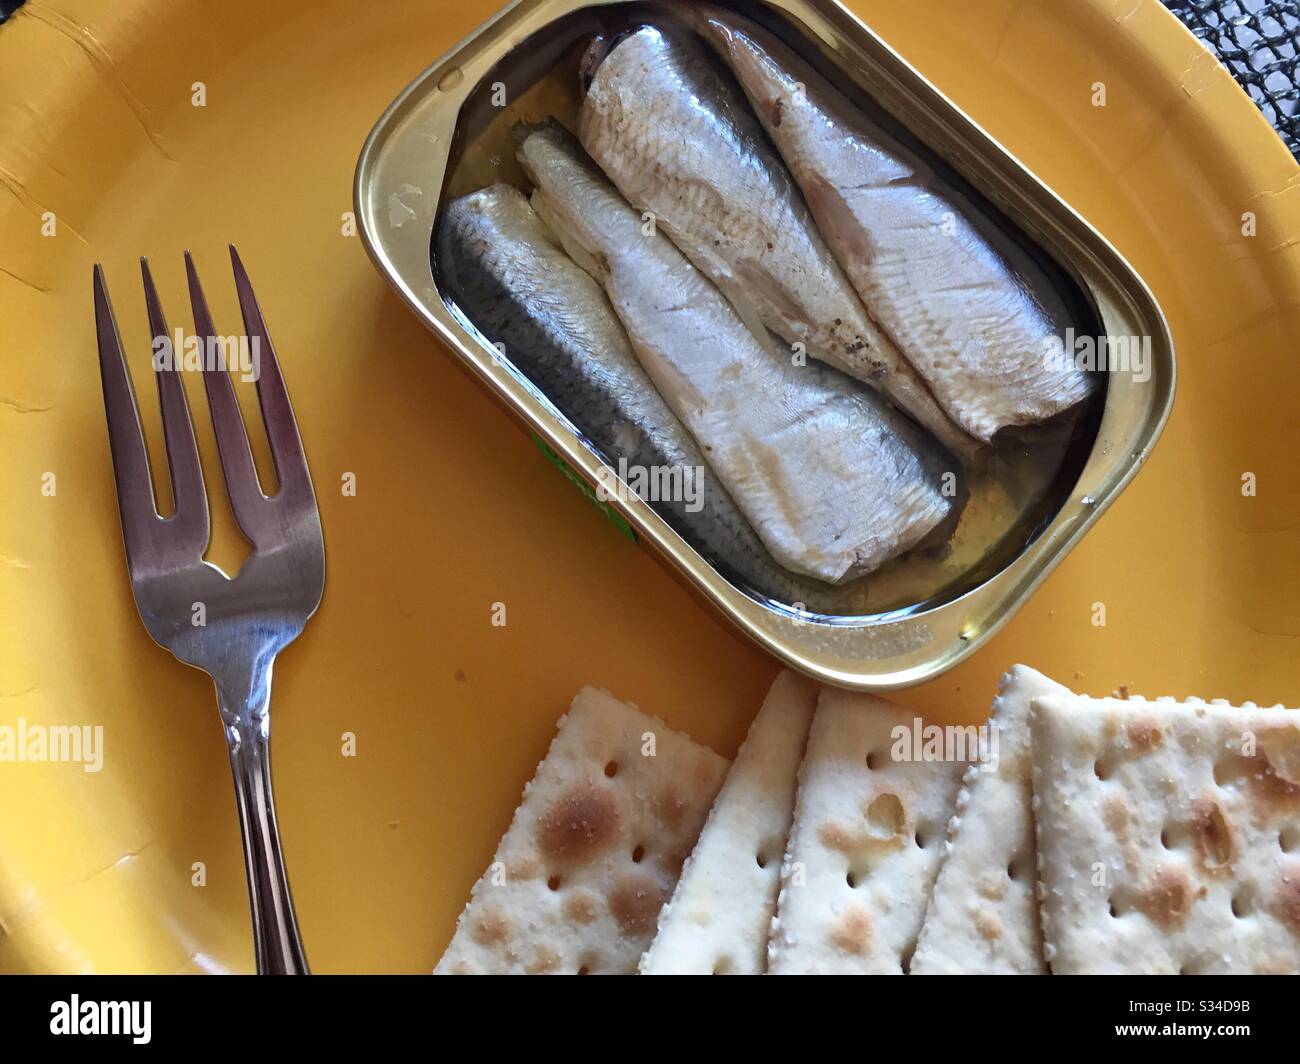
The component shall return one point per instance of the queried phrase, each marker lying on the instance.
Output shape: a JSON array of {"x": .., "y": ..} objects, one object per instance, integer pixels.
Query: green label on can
[{"x": 614, "y": 517}]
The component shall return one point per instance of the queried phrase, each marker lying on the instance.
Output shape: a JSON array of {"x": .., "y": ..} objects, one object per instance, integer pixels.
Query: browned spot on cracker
[
  {"x": 851, "y": 932},
  {"x": 634, "y": 903},
  {"x": 1213, "y": 836},
  {"x": 1166, "y": 898},
  {"x": 1270, "y": 792},
  {"x": 522, "y": 868},
  {"x": 673, "y": 861},
  {"x": 1145, "y": 733},
  {"x": 1279, "y": 748},
  {"x": 491, "y": 927},
  {"x": 1281, "y": 745},
  {"x": 579, "y": 824},
  {"x": 1110, "y": 726},
  {"x": 1288, "y": 898},
  {"x": 988, "y": 926},
  {"x": 863, "y": 840},
  {"x": 993, "y": 889},
  {"x": 886, "y": 817},
  {"x": 1015, "y": 767},
  {"x": 670, "y": 806},
  {"x": 705, "y": 774},
  {"x": 836, "y": 837},
  {"x": 547, "y": 959},
  {"x": 581, "y": 907},
  {"x": 1115, "y": 812}
]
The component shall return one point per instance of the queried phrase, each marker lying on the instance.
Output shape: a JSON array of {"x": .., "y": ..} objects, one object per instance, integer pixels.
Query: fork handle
[{"x": 277, "y": 944}]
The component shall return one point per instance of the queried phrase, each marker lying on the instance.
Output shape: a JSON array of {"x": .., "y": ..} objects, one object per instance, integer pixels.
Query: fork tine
[
  {"x": 246, "y": 498},
  {"x": 135, "y": 499},
  {"x": 277, "y": 411},
  {"x": 190, "y": 520}
]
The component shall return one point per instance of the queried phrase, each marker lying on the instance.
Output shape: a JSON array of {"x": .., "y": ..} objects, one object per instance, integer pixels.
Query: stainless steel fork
[{"x": 232, "y": 629}]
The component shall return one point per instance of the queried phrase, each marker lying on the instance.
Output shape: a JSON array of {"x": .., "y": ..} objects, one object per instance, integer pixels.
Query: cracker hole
[
  {"x": 611, "y": 769},
  {"x": 873, "y": 760},
  {"x": 921, "y": 838},
  {"x": 852, "y": 881},
  {"x": 1288, "y": 839},
  {"x": 1242, "y": 904},
  {"x": 584, "y": 970},
  {"x": 886, "y": 816},
  {"x": 1101, "y": 769},
  {"x": 554, "y": 882},
  {"x": 1114, "y": 912},
  {"x": 723, "y": 966},
  {"x": 761, "y": 860},
  {"x": 905, "y": 962},
  {"x": 1176, "y": 836},
  {"x": 637, "y": 854}
]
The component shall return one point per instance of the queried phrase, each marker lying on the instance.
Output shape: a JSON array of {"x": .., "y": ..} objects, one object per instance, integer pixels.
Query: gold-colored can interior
[{"x": 1031, "y": 496}]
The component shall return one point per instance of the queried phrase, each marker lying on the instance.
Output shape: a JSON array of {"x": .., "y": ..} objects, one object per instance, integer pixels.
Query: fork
[{"x": 231, "y": 628}]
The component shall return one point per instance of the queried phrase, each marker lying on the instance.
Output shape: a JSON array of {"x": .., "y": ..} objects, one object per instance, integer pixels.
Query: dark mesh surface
[{"x": 1259, "y": 41}]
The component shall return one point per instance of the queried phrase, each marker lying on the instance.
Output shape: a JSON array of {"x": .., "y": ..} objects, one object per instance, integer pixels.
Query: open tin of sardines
[{"x": 825, "y": 346}]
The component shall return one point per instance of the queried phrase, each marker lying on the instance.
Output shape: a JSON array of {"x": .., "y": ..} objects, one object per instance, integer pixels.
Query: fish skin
[
  {"x": 973, "y": 319},
  {"x": 677, "y": 138},
  {"x": 834, "y": 481},
  {"x": 506, "y": 270}
]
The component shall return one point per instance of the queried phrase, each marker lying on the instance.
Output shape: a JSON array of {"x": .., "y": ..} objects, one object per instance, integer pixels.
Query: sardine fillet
[
  {"x": 508, "y": 272},
  {"x": 678, "y": 140},
  {"x": 833, "y": 482},
  {"x": 981, "y": 323}
]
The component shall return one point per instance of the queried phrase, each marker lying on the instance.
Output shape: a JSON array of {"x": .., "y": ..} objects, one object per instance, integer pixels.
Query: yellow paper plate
[{"x": 455, "y": 510}]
